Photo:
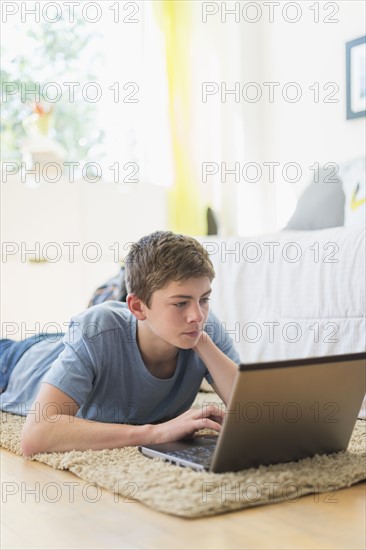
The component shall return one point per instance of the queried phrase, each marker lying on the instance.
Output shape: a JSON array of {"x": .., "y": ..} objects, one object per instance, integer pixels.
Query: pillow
[
  {"x": 353, "y": 179},
  {"x": 320, "y": 206},
  {"x": 113, "y": 289}
]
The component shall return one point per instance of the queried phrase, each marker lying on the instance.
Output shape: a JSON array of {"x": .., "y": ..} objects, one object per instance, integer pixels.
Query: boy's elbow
[
  {"x": 30, "y": 441},
  {"x": 25, "y": 448}
]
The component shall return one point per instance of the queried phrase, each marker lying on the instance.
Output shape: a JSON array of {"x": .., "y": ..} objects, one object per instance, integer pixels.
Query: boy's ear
[{"x": 136, "y": 306}]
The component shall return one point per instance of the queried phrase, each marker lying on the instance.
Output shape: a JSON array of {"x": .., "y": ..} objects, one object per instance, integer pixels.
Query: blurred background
[{"x": 120, "y": 118}]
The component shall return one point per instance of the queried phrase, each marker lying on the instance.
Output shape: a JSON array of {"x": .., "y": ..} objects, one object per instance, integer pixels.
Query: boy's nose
[{"x": 195, "y": 314}]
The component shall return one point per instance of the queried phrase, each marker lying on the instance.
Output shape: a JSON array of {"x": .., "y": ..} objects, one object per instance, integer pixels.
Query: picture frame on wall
[{"x": 356, "y": 77}]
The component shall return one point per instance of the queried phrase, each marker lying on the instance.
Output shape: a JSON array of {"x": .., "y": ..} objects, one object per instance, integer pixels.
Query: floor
[{"x": 52, "y": 509}]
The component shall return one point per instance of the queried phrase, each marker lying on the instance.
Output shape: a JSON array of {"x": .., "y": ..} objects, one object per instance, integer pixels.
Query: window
[{"x": 92, "y": 90}]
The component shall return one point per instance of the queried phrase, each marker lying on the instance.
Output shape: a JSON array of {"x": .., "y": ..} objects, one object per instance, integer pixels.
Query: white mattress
[{"x": 276, "y": 308}]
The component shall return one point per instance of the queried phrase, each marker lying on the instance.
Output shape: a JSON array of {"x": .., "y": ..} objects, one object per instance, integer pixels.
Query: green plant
[{"x": 57, "y": 52}]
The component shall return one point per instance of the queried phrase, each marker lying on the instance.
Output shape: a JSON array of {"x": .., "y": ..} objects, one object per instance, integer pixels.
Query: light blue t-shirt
[{"x": 99, "y": 365}]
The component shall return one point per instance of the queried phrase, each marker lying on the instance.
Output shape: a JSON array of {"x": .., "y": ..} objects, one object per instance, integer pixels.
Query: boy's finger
[
  {"x": 212, "y": 410},
  {"x": 216, "y": 418},
  {"x": 213, "y": 425}
]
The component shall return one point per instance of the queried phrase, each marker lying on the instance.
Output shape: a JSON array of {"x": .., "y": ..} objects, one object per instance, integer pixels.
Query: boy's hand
[
  {"x": 204, "y": 339},
  {"x": 186, "y": 424},
  {"x": 222, "y": 369}
]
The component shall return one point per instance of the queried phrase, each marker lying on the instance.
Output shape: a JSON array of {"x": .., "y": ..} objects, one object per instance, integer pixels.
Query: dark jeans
[{"x": 11, "y": 351}]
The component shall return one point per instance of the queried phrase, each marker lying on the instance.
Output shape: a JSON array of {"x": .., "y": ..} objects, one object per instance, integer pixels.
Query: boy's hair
[{"x": 161, "y": 257}]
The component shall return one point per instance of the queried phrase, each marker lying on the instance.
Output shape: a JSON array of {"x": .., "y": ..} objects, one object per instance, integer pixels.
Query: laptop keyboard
[{"x": 199, "y": 455}]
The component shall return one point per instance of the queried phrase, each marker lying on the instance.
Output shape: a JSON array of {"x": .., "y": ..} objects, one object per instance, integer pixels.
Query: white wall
[
  {"x": 228, "y": 50},
  {"x": 304, "y": 132},
  {"x": 80, "y": 231},
  {"x": 311, "y": 53}
]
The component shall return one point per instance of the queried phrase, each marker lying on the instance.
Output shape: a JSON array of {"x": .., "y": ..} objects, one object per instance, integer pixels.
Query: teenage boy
[{"x": 126, "y": 374}]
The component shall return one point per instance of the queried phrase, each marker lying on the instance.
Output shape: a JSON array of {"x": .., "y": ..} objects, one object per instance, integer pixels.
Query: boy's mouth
[{"x": 193, "y": 333}]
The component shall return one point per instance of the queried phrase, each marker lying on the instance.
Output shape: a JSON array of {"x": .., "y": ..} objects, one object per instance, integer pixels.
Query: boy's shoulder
[{"x": 108, "y": 315}]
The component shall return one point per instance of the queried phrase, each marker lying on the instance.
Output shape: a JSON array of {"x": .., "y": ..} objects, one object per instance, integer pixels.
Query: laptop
[{"x": 278, "y": 412}]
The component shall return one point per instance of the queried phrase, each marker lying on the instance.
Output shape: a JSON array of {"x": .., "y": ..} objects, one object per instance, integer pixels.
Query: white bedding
[
  {"x": 317, "y": 301},
  {"x": 277, "y": 308}
]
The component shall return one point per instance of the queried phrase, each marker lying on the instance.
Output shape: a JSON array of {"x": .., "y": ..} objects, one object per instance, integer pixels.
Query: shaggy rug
[{"x": 186, "y": 493}]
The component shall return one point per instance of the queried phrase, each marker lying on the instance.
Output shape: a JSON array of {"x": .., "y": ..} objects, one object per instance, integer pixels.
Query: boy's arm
[
  {"x": 51, "y": 426},
  {"x": 222, "y": 369}
]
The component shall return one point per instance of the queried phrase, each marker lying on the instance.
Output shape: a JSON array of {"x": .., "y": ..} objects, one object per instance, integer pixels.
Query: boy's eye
[{"x": 203, "y": 301}]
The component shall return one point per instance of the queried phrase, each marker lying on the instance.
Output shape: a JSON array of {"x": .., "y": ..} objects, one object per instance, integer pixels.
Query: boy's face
[{"x": 178, "y": 311}]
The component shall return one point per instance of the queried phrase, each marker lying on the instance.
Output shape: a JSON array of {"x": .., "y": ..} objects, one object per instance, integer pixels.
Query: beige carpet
[{"x": 183, "y": 492}]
